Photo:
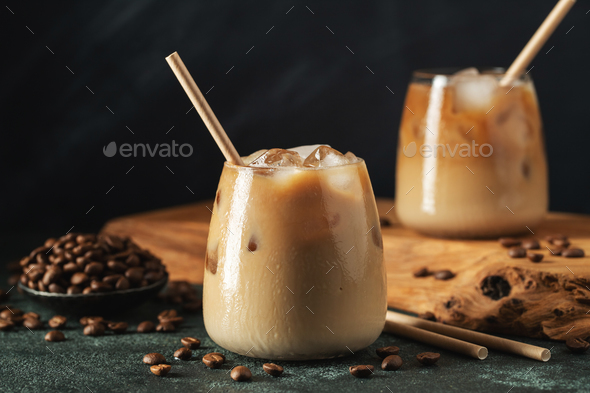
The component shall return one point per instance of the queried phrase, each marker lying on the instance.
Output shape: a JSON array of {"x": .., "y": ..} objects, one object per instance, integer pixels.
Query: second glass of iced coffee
[{"x": 294, "y": 266}]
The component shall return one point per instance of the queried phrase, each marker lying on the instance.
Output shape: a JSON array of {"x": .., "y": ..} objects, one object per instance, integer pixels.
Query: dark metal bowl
[{"x": 96, "y": 303}]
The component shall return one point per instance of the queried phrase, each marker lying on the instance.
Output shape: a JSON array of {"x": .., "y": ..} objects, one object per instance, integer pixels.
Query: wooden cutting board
[{"x": 548, "y": 299}]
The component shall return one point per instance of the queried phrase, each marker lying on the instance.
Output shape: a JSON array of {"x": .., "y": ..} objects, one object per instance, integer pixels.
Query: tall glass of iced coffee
[
  {"x": 471, "y": 157},
  {"x": 294, "y": 265}
]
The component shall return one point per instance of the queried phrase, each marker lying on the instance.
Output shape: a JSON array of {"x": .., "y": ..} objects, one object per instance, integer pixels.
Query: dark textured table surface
[{"x": 113, "y": 363}]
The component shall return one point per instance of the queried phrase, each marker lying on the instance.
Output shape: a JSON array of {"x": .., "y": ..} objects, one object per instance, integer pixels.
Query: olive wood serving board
[{"x": 549, "y": 299}]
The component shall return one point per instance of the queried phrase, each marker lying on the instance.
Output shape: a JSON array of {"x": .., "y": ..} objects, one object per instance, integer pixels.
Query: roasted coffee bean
[
  {"x": 176, "y": 321},
  {"x": 55, "y": 335},
  {"x": 166, "y": 314},
  {"x": 122, "y": 284},
  {"x": 530, "y": 244},
  {"x": 95, "y": 329},
  {"x": 384, "y": 352},
  {"x": 32, "y": 315},
  {"x": 8, "y": 312},
  {"x": 114, "y": 242},
  {"x": 86, "y": 291},
  {"x": 132, "y": 260},
  {"x": 428, "y": 358},
  {"x": 241, "y": 374},
  {"x": 154, "y": 358},
  {"x": 422, "y": 272},
  {"x": 556, "y": 250},
  {"x": 509, "y": 242},
  {"x": 134, "y": 275},
  {"x": 146, "y": 327},
  {"x": 572, "y": 253},
  {"x": 152, "y": 277},
  {"x": 55, "y": 288},
  {"x": 183, "y": 353},
  {"x": 70, "y": 268},
  {"x": 117, "y": 266},
  {"x": 94, "y": 268},
  {"x": 160, "y": 369},
  {"x": 49, "y": 242},
  {"x": 534, "y": 257},
  {"x": 561, "y": 243},
  {"x": 273, "y": 369},
  {"x": 444, "y": 275},
  {"x": 16, "y": 319},
  {"x": 73, "y": 290},
  {"x": 6, "y": 325},
  {"x": 517, "y": 252},
  {"x": 33, "y": 285},
  {"x": 100, "y": 286},
  {"x": 85, "y": 321},
  {"x": 79, "y": 278},
  {"x": 33, "y": 323},
  {"x": 391, "y": 363},
  {"x": 577, "y": 344},
  {"x": 58, "y": 322},
  {"x": 555, "y": 236},
  {"x": 69, "y": 245},
  {"x": 193, "y": 306},
  {"x": 191, "y": 342},
  {"x": 165, "y": 327},
  {"x": 361, "y": 371},
  {"x": 118, "y": 327},
  {"x": 213, "y": 360},
  {"x": 428, "y": 316},
  {"x": 112, "y": 279}
]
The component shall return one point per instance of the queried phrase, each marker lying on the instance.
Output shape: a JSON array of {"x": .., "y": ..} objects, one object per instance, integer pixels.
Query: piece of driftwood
[{"x": 548, "y": 299}]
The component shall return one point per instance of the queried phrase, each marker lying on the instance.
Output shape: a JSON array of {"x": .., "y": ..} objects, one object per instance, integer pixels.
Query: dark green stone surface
[{"x": 113, "y": 363}]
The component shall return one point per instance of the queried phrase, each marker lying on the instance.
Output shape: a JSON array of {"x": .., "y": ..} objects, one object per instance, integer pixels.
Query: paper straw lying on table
[
  {"x": 438, "y": 340},
  {"x": 492, "y": 342}
]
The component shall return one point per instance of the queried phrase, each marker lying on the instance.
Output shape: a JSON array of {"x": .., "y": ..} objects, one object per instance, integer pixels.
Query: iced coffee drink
[
  {"x": 471, "y": 157},
  {"x": 294, "y": 265}
]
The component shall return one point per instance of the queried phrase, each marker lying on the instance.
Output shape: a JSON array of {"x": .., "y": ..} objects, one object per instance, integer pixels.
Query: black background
[{"x": 298, "y": 85}]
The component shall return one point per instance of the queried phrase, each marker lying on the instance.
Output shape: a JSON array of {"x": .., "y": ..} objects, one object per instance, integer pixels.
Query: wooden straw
[
  {"x": 537, "y": 41},
  {"x": 492, "y": 342},
  {"x": 192, "y": 91},
  {"x": 452, "y": 344}
]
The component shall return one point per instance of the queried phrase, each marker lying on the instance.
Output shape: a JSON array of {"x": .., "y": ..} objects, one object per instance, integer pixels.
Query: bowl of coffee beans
[{"x": 84, "y": 272}]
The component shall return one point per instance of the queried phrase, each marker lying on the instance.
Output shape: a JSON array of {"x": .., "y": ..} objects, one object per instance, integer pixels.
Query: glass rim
[
  {"x": 430, "y": 73},
  {"x": 286, "y": 168}
]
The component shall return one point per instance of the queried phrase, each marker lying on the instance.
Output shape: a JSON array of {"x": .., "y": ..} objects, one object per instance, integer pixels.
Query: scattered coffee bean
[
  {"x": 422, "y": 272},
  {"x": 55, "y": 335},
  {"x": 530, "y": 244},
  {"x": 16, "y": 319},
  {"x": 361, "y": 371},
  {"x": 160, "y": 369},
  {"x": 572, "y": 253},
  {"x": 191, "y": 342},
  {"x": 146, "y": 327},
  {"x": 534, "y": 257},
  {"x": 427, "y": 316},
  {"x": 509, "y": 242},
  {"x": 384, "y": 352},
  {"x": 85, "y": 321},
  {"x": 273, "y": 369},
  {"x": 391, "y": 363},
  {"x": 33, "y": 323},
  {"x": 33, "y": 315},
  {"x": 577, "y": 344},
  {"x": 9, "y": 312},
  {"x": 517, "y": 252},
  {"x": 183, "y": 353},
  {"x": 428, "y": 358},
  {"x": 166, "y": 314},
  {"x": 94, "y": 329},
  {"x": 6, "y": 325},
  {"x": 176, "y": 321},
  {"x": 165, "y": 327},
  {"x": 556, "y": 250},
  {"x": 444, "y": 275},
  {"x": 555, "y": 236},
  {"x": 118, "y": 327},
  {"x": 561, "y": 243},
  {"x": 154, "y": 358},
  {"x": 57, "y": 322},
  {"x": 241, "y": 374},
  {"x": 213, "y": 360}
]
